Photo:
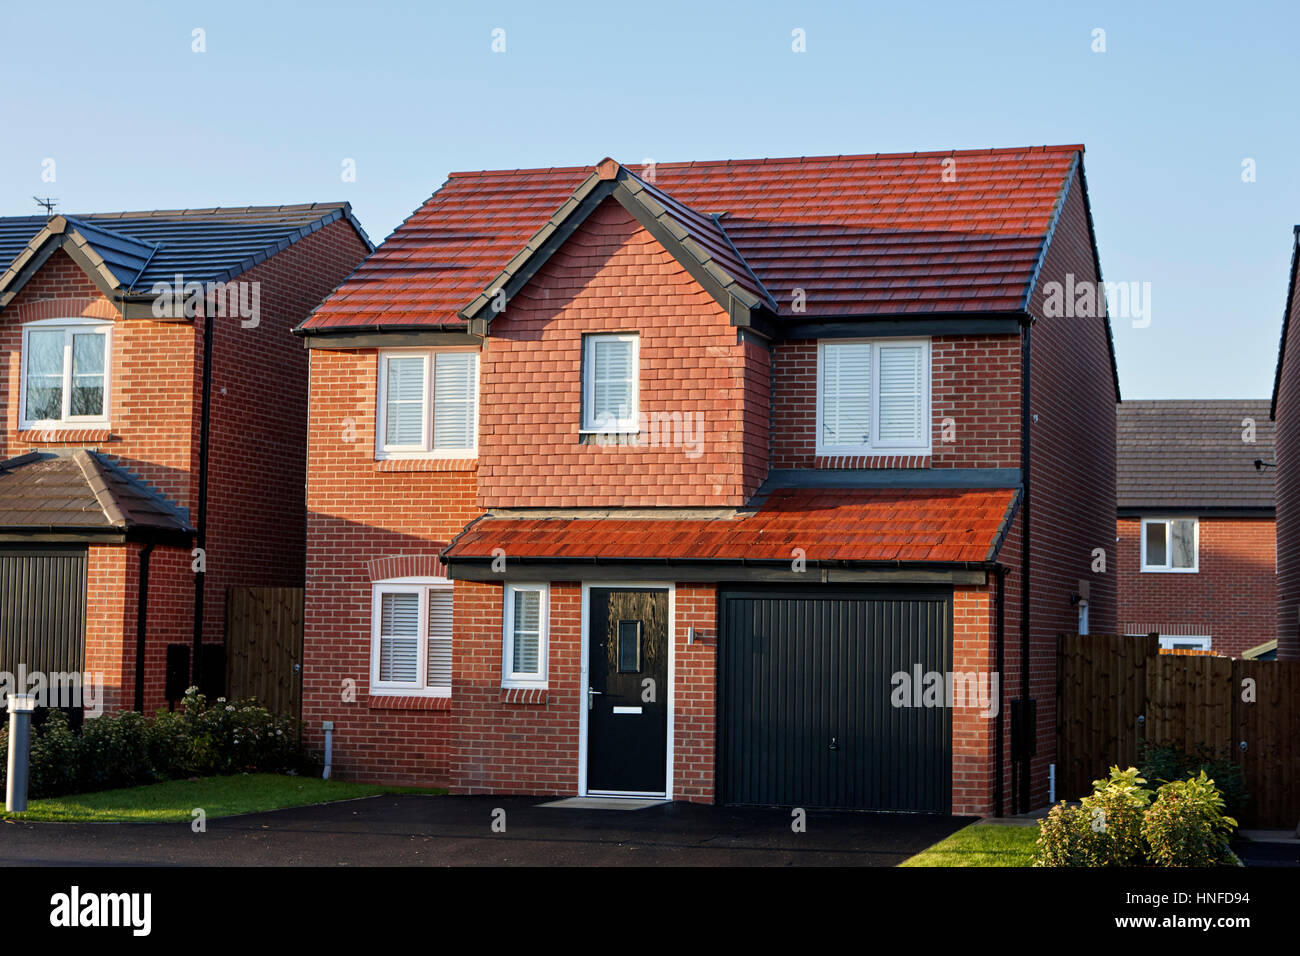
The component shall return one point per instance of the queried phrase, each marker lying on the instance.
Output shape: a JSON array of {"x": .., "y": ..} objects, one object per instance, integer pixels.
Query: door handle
[{"x": 591, "y": 697}]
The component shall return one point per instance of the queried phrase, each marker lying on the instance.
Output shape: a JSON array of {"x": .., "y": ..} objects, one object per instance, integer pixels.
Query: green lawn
[
  {"x": 981, "y": 844},
  {"x": 216, "y": 796}
]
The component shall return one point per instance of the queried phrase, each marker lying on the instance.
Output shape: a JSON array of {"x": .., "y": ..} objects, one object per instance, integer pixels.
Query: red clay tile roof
[
  {"x": 830, "y": 525},
  {"x": 862, "y": 235}
]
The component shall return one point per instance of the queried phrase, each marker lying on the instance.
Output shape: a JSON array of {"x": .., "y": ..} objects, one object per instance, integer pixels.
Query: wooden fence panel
[
  {"x": 1118, "y": 693},
  {"x": 264, "y": 628}
]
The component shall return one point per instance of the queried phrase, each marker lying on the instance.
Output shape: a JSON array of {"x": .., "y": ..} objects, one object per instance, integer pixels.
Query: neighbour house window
[
  {"x": 411, "y": 637},
  {"x": 1169, "y": 544},
  {"x": 1184, "y": 642},
  {"x": 609, "y": 382},
  {"x": 873, "y": 397},
  {"x": 65, "y": 372},
  {"x": 525, "y": 638},
  {"x": 428, "y": 404}
]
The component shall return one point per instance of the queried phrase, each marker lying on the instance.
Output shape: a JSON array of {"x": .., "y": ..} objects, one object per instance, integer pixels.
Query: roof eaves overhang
[{"x": 719, "y": 569}]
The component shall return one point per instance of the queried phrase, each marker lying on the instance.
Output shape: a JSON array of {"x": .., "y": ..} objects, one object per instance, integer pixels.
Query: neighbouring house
[
  {"x": 1195, "y": 525},
  {"x": 153, "y": 432},
  {"x": 1285, "y": 412},
  {"x": 702, "y": 480}
]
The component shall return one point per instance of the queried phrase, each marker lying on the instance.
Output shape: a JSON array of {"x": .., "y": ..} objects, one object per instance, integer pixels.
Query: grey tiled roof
[
  {"x": 204, "y": 245},
  {"x": 81, "y": 491},
  {"x": 1191, "y": 454}
]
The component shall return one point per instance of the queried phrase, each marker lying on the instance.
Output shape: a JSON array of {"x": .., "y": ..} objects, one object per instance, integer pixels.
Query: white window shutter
[
  {"x": 454, "y": 399},
  {"x": 399, "y": 637},
  {"x": 902, "y": 396},
  {"x": 404, "y": 393},
  {"x": 440, "y": 621},
  {"x": 846, "y": 394},
  {"x": 612, "y": 382},
  {"x": 527, "y": 632}
]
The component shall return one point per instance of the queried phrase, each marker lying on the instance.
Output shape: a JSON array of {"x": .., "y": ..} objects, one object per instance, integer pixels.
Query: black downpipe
[
  {"x": 1025, "y": 506},
  {"x": 1000, "y": 610},
  {"x": 201, "y": 522},
  {"x": 141, "y": 625}
]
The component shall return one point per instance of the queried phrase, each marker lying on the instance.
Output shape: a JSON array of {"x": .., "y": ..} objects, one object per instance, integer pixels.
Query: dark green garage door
[
  {"x": 804, "y": 699},
  {"x": 42, "y": 609}
]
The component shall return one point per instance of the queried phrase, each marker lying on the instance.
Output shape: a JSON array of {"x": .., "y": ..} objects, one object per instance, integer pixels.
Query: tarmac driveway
[{"x": 458, "y": 831}]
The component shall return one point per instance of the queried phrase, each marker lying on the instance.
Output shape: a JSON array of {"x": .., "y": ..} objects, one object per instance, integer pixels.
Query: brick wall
[
  {"x": 1287, "y": 414},
  {"x": 612, "y": 276},
  {"x": 1072, "y": 475},
  {"x": 975, "y": 389},
  {"x": 1232, "y": 597},
  {"x": 357, "y": 511}
]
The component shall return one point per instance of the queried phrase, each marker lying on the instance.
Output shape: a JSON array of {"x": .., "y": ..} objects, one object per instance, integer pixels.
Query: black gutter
[
  {"x": 1000, "y": 609},
  {"x": 201, "y": 524},
  {"x": 1026, "y": 420},
  {"x": 986, "y": 566},
  {"x": 141, "y": 625}
]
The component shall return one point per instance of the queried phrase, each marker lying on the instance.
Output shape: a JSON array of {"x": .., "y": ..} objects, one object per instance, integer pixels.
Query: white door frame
[{"x": 584, "y": 682}]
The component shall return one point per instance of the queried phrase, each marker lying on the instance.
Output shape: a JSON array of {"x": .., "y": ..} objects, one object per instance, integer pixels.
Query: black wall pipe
[
  {"x": 1000, "y": 609},
  {"x": 201, "y": 523},
  {"x": 1025, "y": 472},
  {"x": 141, "y": 625}
]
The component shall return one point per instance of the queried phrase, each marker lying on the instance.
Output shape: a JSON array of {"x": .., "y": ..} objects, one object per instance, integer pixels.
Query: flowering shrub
[{"x": 127, "y": 749}]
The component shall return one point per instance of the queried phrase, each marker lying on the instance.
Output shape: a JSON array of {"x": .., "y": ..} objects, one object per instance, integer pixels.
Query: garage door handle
[{"x": 834, "y": 745}]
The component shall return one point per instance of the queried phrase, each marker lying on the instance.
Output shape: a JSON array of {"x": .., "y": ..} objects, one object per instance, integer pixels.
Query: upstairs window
[
  {"x": 1170, "y": 544},
  {"x": 428, "y": 405},
  {"x": 610, "y": 381},
  {"x": 65, "y": 373},
  {"x": 411, "y": 638},
  {"x": 873, "y": 397}
]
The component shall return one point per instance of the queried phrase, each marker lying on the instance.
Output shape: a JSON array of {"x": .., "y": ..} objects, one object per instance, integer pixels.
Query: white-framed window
[
  {"x": 66, "y": 371},
  {"x": 1185, "y": 642},
  {"x": 410, "y": 650},
  {"x": 427, "y": 404},
  {"x": 1170, "y": 544},
  {"x": 526, "y": 619},
  {"x": 610, "y": 382},
  {"x": 873, "y": 396},
  {"x": 1083, "y": 617}
]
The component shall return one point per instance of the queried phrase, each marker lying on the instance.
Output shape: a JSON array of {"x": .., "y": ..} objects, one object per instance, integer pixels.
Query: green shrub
[
  {"x": 127, "y": 749},
  {"x": 1186, "y": 825},
  {"x": 1120, "y": 824},
  {"x": 1104, "y": 830},
  {"x": 1164, "y": 764}
]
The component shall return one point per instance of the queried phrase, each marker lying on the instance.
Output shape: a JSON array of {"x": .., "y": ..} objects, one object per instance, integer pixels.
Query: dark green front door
[{"x": 627, "y": 700}]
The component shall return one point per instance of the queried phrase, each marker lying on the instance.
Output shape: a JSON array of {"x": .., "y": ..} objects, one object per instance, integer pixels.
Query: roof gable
[
  {"x": 697, "y": 241},
  {"x": 126, "y": 253},
  {"x": 811, "y": 239}
]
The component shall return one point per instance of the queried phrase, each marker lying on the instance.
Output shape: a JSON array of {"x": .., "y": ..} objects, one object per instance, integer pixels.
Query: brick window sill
[
  {"x": 871, "y": 461},
  {"x": 524, "y": 696},
  {"x": 401, "y": 702},
  {"x": 426, "y": 464},
  {"x": 58, "y": 436}
]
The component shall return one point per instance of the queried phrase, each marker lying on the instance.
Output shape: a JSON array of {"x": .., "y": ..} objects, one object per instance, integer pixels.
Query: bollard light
[{"x": 20, "y": 730}]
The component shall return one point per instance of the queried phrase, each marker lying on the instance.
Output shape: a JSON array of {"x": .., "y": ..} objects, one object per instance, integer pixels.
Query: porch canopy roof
[
  {"x": 919, "y": 529},
  {"x": 80, "y": 495}
]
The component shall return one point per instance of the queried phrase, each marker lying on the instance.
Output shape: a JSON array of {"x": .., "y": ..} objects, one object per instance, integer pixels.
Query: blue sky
[{"x": 285, "y": 93}]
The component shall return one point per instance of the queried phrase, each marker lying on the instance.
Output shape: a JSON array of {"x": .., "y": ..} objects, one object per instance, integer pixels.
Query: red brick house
[
  {"x": 1285, "y": 412},
  {"x": 1195, "y": 525},
  {"x": 701, "y": 480},
  {"x": 153, "y": 430}
]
